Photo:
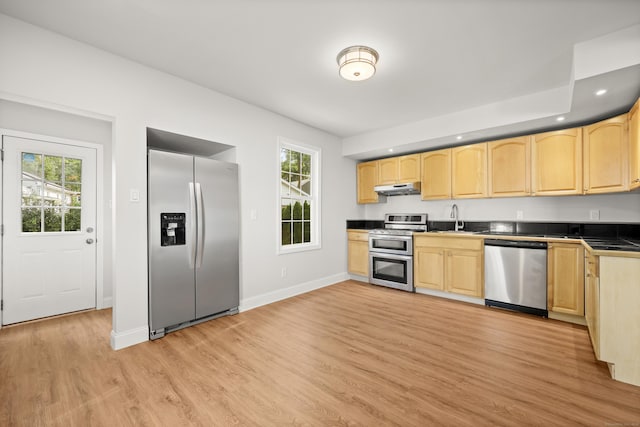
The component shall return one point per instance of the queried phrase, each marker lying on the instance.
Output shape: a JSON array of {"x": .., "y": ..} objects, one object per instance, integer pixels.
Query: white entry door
[{"x": 49, "y": 217}]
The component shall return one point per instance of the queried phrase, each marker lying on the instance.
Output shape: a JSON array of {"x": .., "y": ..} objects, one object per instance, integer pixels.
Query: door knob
[{"x": 89, "y": 241}]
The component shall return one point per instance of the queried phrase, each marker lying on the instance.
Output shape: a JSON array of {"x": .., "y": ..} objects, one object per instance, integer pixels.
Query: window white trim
[{"x": 316, "y": 220}]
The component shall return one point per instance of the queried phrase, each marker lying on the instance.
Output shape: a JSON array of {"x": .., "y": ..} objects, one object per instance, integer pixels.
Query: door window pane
[
  {"x": 72, "y": 170},
  {"x": 52, "y": 219},
  {"x": 53, "y": 168},
  {"x": 31, "y": 193},
  {"x": 31, "y": 220},
  {"x": 32, "y": 165},
  {"x": 72, "y": 220}
]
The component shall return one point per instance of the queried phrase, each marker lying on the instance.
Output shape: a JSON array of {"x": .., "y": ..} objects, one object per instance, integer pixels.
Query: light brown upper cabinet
[
  {"x": 634, "y": 146},
  {"x": 556, "y": 162},
  {"x": 436, "y": 174},
  {"x": 509, "y": 165},
  {"x": 396, "y": 170},
  {"x": 606, "y": 153},
  {"x": 469, "y": 171},
  {"x": 367, "y": 175}
]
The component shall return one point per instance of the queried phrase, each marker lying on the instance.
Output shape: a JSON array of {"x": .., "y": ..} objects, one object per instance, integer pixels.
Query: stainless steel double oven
[{"x": 391, "y": 251}]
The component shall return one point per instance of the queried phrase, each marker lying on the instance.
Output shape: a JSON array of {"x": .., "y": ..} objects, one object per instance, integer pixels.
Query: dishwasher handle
[{"x": 515, "y": 244}]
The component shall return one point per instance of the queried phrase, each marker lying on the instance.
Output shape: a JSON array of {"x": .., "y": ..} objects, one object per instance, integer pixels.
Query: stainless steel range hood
[{"x": 398, "y": 189}]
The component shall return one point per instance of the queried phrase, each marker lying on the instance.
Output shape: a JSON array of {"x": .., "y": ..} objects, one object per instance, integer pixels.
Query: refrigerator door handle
[
  {"x": 200, "y": 219},
  {"x": 192, "y": 225}
]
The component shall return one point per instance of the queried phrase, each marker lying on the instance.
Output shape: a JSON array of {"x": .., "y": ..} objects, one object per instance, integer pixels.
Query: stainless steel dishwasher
[{"x": 515, "y": 275}]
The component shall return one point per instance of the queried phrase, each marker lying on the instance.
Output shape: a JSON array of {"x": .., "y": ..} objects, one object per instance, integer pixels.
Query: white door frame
[{"x": 99, "y": 203}]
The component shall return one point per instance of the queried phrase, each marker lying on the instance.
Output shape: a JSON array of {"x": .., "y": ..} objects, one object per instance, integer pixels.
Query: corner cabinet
[
  {"x": 509, "y": 167},
  {"x": 358, "y": 252},
  {"x": 606, "y": 154},
  {"x": 469, "y": 171},
  {"x": 565, "y": 278},
  {"x": 367, "y": 177},
  {"x": 436, "y": 174},
  {"x": 556, "y": 162},
  {"x": 634, "y": 146},
  {"x": 451, "y": 264}
]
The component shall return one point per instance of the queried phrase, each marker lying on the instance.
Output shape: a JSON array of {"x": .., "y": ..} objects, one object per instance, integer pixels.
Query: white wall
[
  {"x": 622, "y": 207},
  {"x": 44, "y": 121},
  {"x": 53, "y": 69}
]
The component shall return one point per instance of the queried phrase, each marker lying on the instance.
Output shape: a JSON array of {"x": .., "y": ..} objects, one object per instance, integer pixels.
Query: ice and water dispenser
[{"x": 172, "y": 229}]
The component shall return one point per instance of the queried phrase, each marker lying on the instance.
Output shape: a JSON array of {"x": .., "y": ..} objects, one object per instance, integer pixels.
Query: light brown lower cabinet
[
  {"x": 565, "y": 278},
  {"x": 358, "y": 252},
  {"x": 449, "y": 264},
  {"x": 618, "y": 317},
  {"x": 592, "y": 300}
]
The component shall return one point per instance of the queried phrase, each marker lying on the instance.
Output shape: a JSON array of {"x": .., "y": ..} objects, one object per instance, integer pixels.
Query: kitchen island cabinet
[
  {"x": 556, "y": 162},
  {"x": 592, "y": 300},
  {"x": 606, "y": 154},
  {"x": 619, "y": 317},
  {"x": 565, "y": 278},
  {"x": 358, "y": 252}
]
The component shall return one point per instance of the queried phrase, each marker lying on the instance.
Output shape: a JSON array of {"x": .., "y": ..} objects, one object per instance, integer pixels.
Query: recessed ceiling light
[
  {"x": 601, "y": 92},
  {"x": 560, "y": 119},
  {"x": 459, "y": 137},
  {"x": 391, "y": 150}
]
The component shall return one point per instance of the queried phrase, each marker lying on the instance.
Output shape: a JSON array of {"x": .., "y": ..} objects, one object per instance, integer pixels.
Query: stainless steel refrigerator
[{"x": 193, "y": 240}]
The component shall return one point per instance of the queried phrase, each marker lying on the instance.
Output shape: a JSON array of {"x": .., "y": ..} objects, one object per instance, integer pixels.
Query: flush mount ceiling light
[
  {"x": 357, "y": 63},
  {"x": 601, "y": 92}
]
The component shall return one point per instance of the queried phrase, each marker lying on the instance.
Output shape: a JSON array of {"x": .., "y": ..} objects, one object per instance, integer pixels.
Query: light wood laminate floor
[{"x": 348, "y": 354}]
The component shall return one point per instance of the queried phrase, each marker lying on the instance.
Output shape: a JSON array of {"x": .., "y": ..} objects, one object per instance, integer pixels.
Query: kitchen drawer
[
  {"x": 469, "y": 243},
  {"x": 357, "y": 235}
]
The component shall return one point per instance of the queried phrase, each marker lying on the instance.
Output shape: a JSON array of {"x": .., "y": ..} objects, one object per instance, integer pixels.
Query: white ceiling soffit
[
  {"x": 478, "y": 67},
  {"x": 611, "y": 62}
]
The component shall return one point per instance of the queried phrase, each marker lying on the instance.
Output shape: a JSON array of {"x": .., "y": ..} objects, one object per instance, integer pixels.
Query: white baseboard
[
  {"x": 120, "y": 340},
  {"x": 449, "y": 295},
  {"x": 359, "y": 278},
  {"x": 107, "y": 302},
  {"x": 280, "y": 294}
]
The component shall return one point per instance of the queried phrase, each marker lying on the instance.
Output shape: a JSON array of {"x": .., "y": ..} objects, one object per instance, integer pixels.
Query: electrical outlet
[
  {"x": 519, "y": 215},
  {"x": 594, "y": 214},
  {"x": 283, "y": 272},
  {"x": 134, "y": 195}
]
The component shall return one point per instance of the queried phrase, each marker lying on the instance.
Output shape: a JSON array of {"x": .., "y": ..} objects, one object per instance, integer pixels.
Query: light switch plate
[
  {"x": 134, "y": 195},
  {"x": 519, "y": 215},
  {"x": 594, "y": 214}
]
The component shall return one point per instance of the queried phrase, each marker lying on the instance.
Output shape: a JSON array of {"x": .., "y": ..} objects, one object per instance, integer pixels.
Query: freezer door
[
  {"x": 217, "y": 262},
  {"x": 171, "y": 277}
]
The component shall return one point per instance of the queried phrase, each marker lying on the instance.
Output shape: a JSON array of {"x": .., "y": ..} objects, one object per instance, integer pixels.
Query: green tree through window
[
  {"x": 297, "y": 196},
  {"x": 51, "y": 193}
]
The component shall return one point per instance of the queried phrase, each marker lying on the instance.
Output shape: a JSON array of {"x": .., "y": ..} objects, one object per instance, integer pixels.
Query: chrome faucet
[{"x": 454, "y": 214}]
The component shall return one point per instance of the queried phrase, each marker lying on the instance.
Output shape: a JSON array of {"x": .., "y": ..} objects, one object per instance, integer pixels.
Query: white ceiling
[{"x": 436, "y": 57}]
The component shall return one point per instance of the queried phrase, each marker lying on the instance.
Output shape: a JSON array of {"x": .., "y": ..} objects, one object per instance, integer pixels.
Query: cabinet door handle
[{"x": 636, "y": 180}]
